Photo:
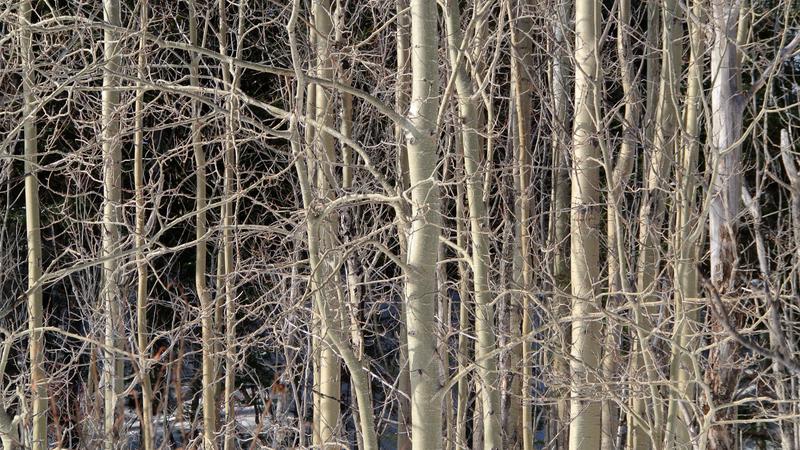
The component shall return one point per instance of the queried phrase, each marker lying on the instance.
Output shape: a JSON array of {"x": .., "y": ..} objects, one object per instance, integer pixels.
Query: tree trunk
[
  {"x": 650, "y": 228},
  {"x": 206, "y": 303},
  {"x": 426, "y": 412},
  {"x": 520, "y": 421},
  {"x": 778, "y": 341},
  {"x": 585, "y": 232},
  {"x": 685, "y": 243},
  {"x": 559, "y": 229},
  {"x": 401, "y": 105},
  {"x": 330, "y": 365},
  {"x": 112, "y": 156},
  {"x": 726, "y": 125},
  {"x": 462, "y": 389},
  {"x": 620, "y": 173},
  {"x": 484, "y": 309},
  {"x": 230, "y": 76},
  {"x": 141, "y": 263},
  {"x": 38, "y": 381}
]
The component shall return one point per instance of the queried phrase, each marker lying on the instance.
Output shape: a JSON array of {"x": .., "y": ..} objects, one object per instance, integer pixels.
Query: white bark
[
  {"x": 585, "y": 232},
  {"x": 726, "y": 124},
  {"x": 112, "y": 155},
  {"x": 423, "y": 242}
]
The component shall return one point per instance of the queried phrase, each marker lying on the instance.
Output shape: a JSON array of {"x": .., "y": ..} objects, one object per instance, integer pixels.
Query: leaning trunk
[{"x": 484, "y": 309}]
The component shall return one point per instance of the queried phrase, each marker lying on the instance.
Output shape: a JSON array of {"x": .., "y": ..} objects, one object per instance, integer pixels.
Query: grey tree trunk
[
  {"x": 520, "y": 420},
  {"x": 401, "y": 105},
  {"x": 330, "y": 365},
  {"x": 207, "y": 321},
  {"x": 484, "y": 309},
  {"x": 559, "y": 224},
  {"x": 685, "y": 243},
  {"x": 421, "y": 288},
  {"x": 620, "y": 171},
  {"x": 112, "y": 155},
  {"x": 726, "y": 126},
  {"x": 650, "y": 227},
  {"x": 142, "y": 336},
  {"x": 38, "y": 381},
  {"x": 230, "y": 77}
]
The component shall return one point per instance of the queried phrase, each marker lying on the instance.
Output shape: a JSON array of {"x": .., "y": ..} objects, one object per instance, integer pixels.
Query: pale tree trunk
[
  {"x": 230, "y": 79},
  {"x": 348, "y": 227},
  {"x": 38, "y": 382},
  {"x": 9, "y": 431},
  {"x": 725, "y": 131},
  {"x": 584, "y": 431},
  {"x": 329, "y": 318},
  {"x": 650, "y": 228},
  {"x": 685, "y": 243},
  {"x": 9, "y": 426},
  {"x": 462, "y": 390},
  {"x": 316, "y": 341},
  {"x": 401, "y": 105},
  {"x": 141, "y": 263},
  {"x": 559, "y": 230},
  {"x": 426, "y": 412},
  {"x": 484, "y": 309},
  {"x": 201, "y": 253},
  {"x": 330, "y": 366},
  {"x": 621, "y": 171},
  {"x": 112, "y": 155},
  {"x": 520, "y": 420},
  {"x": 778, "y": 342}
]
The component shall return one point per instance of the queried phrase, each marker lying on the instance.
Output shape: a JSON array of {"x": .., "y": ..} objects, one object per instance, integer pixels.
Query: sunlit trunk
[{"x": 584, "y": 433}]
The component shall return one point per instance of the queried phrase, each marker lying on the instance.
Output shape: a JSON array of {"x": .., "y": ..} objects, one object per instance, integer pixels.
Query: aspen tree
[
  {"x": 141, "y": 264},
  {"x": 324, "y": 151},
  {"x": 676, "y": 431},
  {"x": 320, "y": 282},
  {"x": 424, "y": 234},
  {"x": 620, "y": 171},
  {"x": 33, "y": 230},
  {"x": 112, "y": 155},
  {"x": 584, "y": 433},
  {"x": 201, "y": 251},
  {"x": 520, "y": 415},
  {"x": 484, "y": 309},
  {"x": 651, "y": 221},
  {"x": 402, "y": 90},
  {"x": 778, "y": 341},
  {"x": 724, "y": 135},
  {"x": 230, "y": 77},
  {"x": 560, "y": 216},
  {"x": 462, "y": 389}
]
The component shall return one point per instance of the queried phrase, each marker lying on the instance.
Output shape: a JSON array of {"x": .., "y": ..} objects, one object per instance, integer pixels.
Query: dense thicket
[{"x": 399, "y": 224}]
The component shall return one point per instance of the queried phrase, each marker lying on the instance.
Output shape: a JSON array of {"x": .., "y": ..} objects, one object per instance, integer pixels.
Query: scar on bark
[{"x": 727, "y": 258}]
